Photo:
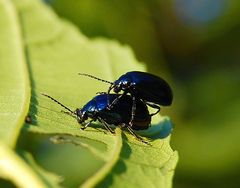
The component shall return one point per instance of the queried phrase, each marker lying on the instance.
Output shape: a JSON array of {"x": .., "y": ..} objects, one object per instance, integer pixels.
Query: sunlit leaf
[
  {"x": 14, "y": 82},
  {"x": 55, "y": 52},
  {"x": 14, "y": 168}
]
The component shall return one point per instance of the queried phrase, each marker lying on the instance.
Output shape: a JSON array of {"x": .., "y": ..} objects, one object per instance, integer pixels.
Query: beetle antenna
[
  {"x": 58, "y": 103},
  {"x": 91, "y": 76}
]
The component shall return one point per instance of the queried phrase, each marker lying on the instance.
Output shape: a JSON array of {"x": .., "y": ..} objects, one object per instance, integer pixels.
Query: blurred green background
[{"x": 195, "y": 45}]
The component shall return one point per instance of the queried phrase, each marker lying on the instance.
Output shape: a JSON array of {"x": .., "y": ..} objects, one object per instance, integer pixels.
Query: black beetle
[
  {"x": 151, "y": 89},
  {"x": 118, "y": 115}
]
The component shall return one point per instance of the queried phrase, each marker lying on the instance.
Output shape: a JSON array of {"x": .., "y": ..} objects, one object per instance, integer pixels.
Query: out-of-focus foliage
[{"x": 200, "y": 42}]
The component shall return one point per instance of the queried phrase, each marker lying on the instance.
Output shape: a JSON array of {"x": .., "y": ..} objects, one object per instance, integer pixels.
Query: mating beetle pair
[
  {"x": 118, "y": 115},
  {"x": 125, "y": 110}
]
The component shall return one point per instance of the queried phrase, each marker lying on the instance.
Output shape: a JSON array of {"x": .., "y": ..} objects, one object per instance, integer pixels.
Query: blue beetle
[
  {"x": 152, "y": 90},
  {"x": 118, "y": 115}
]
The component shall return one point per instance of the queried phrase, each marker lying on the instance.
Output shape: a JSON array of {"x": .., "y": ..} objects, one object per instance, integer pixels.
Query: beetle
[
  {"x": 152, "y": 90},
  {"x": 118, "y": 115}
]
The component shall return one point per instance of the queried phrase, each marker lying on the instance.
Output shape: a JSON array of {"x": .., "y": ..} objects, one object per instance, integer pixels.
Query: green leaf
[
  {"x": 14, "y": 168},
  {"x": 141, "y": 166},
  {"x": 14, "y": 82},
  {"x": 55, "y": 52}
]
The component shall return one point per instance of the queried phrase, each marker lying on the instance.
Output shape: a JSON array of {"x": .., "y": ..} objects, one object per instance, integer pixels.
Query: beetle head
[
  {"x": 81, "y": 115},
  {"x": 122, "y": 84},
  {"x": 117, "y": 88}
]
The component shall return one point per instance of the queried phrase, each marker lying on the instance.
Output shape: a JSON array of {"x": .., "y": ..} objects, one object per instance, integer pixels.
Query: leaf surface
[
  {"x": 56, "y": 52},
  {"x": 14, "y": 82},
  {"x": 14, "y": 168}
]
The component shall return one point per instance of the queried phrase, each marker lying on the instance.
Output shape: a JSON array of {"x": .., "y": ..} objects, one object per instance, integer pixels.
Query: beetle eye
[
  {"x": 78, "y": 112},
  {"x": 117, "y": 89},
  {"x": 84, "y": 116},
  {"x": 128, "y": 84}
]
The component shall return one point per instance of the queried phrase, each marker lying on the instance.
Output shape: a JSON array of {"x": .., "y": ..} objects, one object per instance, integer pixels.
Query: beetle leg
[
  {"x": 153, "y": 106},
  {"x": 106, "y": 125},
  {"x": 110, "y": 106},
  {"x": 135, "y": 135},
  {"x": 133, "y": 110},
  {"x": 109, "y": 89},
  {"x": 86, "y": 125}
]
